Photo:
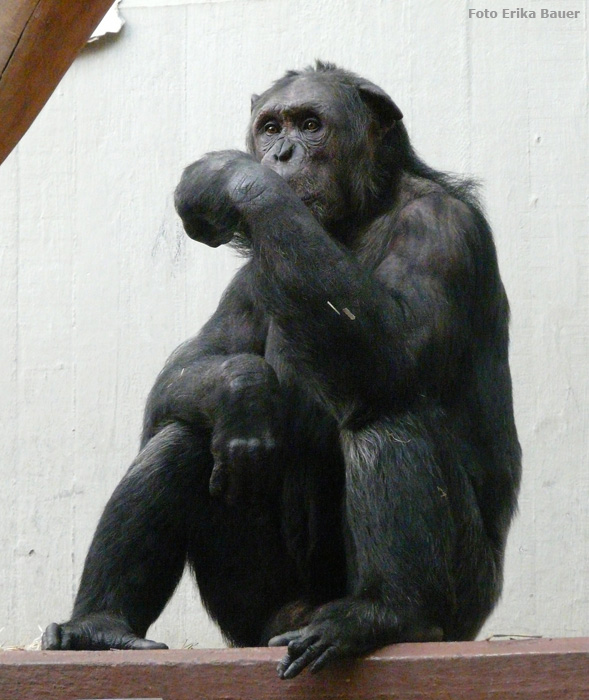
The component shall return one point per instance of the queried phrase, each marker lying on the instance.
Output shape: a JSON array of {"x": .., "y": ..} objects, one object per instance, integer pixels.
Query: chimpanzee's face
[{"x": 299, "y": 132}]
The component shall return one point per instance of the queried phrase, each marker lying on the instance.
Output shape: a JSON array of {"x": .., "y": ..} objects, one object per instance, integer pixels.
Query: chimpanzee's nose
[{"x": 285, "y": 152}]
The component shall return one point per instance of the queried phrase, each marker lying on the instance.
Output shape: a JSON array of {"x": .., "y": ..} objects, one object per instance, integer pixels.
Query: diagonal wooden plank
[
  {"x": 14, "y": 17},
  {"x": 39, "y": 39}
]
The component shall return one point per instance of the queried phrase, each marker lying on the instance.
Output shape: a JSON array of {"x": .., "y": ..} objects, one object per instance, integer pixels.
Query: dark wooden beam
[
  {"x": 537, "y": 669},
  {"x": 39, "y": 39}
]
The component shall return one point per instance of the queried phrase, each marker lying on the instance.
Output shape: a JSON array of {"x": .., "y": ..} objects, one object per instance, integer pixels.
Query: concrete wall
[{"x": 98, "y": 283}]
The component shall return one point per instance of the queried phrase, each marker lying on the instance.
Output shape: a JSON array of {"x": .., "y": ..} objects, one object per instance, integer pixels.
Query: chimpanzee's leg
[
  {"x": 160, "y": 511},
  {"x": 138, "y": 552},
  {"x": 271, "y": 559},
  {"x": 238, "y": 556},
  {"x": 420, "y": 565},
  {"x": 418, "y": 540}
]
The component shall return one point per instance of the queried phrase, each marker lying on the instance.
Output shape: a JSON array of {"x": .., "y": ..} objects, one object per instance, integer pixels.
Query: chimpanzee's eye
[
  {"x": 271, "y": 128},
  {"x": 311, "y": 124}
]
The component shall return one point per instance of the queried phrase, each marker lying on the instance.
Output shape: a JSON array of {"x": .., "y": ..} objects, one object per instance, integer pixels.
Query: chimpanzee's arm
[
  {"x": 219, "y": 381},
  {"x": 401, "y": 323},
  {"x": 337, "y": 316}
]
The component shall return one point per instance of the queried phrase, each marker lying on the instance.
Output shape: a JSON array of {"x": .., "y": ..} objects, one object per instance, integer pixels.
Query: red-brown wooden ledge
[{"x": 542, "y": 669}]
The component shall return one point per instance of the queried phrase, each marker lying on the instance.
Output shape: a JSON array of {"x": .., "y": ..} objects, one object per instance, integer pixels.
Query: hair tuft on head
[{"x": 324, "y": 66}]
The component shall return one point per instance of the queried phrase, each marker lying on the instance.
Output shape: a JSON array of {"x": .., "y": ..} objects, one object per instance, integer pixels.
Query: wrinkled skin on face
[
  {"x": 296, "y": 133},
  {"x": 315, "y": 134}
]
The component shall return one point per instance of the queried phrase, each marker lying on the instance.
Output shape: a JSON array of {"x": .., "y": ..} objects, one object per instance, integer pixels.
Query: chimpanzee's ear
[
  {"x": 255, "y": 98},
  {"x": 380, "y": 104}
]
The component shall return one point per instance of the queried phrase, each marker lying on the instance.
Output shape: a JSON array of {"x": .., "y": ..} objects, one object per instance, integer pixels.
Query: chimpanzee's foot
[
  {"x": 344, "y": 629},
  {"x": 95, "y": 632}
]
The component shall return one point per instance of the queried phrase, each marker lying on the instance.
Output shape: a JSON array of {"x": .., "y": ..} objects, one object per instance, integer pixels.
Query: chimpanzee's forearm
[
  {"x": 201, "y": 392},
  {"x": 336, "y": 317},
  {"x": 222, "y": 366}
]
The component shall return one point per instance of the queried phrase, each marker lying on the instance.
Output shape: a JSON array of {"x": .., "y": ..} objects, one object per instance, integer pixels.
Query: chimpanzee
[{"x": 334, "y": 454}]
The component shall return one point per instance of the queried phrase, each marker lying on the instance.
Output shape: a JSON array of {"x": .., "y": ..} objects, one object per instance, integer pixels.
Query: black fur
[{"x": 334, "y": 454}]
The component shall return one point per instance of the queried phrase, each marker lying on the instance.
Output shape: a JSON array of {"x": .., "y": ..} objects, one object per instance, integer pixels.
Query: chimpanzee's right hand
[
  {"x": 213, "y": 192},
  {"x": 99, "y": 631}
]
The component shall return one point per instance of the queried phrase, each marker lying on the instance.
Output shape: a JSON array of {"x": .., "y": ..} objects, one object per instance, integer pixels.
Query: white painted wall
[{"x": 98, "y": 283}]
